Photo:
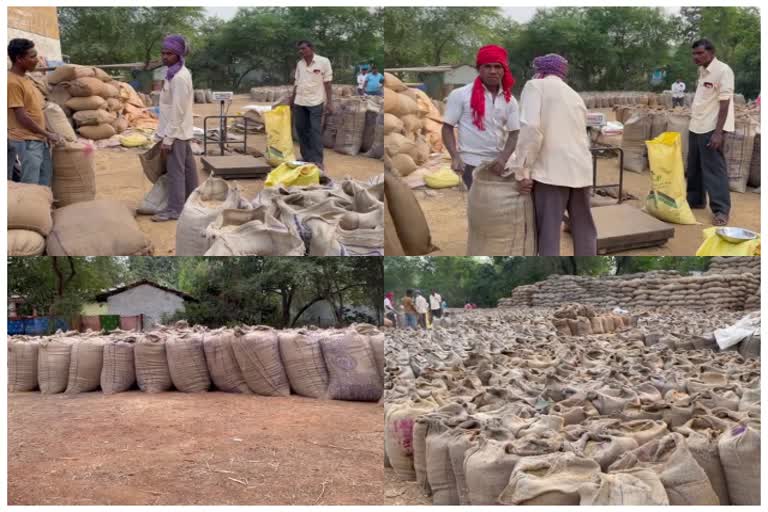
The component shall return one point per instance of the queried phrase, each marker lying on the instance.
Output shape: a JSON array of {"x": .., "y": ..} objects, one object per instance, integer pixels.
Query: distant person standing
[
  {"x": 311, "y": 97},
  {"x": 411, "y": 315},
  {"x": 422, "y": 307},
  {"x": 175, "y": 127},
  {"x": 678, "y": 93},
  {"x": 389, "y": 308},
  {"x": 374, "y": 83},
  {"x": 712, "y": 116},
  {"x": 28, "y": 137},
  {"x": 435, "y": 304},
  {"x": 361, "y": 81}
]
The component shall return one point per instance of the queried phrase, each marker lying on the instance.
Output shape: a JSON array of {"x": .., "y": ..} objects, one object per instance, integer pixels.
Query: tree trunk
[{"x": 304, "y": 308}]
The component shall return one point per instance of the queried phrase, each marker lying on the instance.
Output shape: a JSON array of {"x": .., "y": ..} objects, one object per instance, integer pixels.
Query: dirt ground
[
  {"x": 398, "y": 492},
  {"x": 119, "y": 175},
  {"x": 192, "y": 449},
  {"x": 446, "y": 213}
]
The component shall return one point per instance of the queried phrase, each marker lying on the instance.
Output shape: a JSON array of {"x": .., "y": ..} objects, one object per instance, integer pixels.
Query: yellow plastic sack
[
  {"x": 277, "y": 124},
  {"x": 291, "y": 175},
  {"x": 667, "y": 198},
  {"x": 133, "y": 141},
  {"x": 715, "y": 246},
  {"x": 444, "y": 178}
]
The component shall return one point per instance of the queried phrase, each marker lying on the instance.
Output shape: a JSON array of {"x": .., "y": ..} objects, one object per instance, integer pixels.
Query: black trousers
[
  {"x": 309, "y": 127},
  {"x": 467, "y": 175},
  {"x": 678, "y": 102},
  {"x": 707, "y": 175}
]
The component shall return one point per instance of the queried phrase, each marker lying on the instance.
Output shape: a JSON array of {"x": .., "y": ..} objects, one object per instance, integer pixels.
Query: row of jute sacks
[
  {"x": 341, "y": 219},
  {"x": 734, "y": 265},
  {"x": 502, "y": 410},
  {"x": 741, "y": 150},
  {"x": 412, "y": 127},
  {"x": 326, "y": 364},
  {"x": 356, "y": 126},
  {"x": 272, "y": 94},
  {"x": 710, "y": 291},
  {"x": 610, "y": 99}
]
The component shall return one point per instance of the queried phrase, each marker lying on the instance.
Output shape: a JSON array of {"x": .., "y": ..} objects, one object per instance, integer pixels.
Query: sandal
[
  {"x": 720, "y": 219},
  {"x": 164, "y": 217}
]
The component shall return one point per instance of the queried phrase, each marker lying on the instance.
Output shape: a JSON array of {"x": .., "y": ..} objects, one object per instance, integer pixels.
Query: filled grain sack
[
  {"x": 396, "y": 144},
  {"x": 115, "y": 105},
  {"x": 685, "y": 481},
  {"x": 222, "y": 366},
  {"x": 57, "y": 122},
  {"x": 257, "y": 355},
  {"x": 253, "y": 232},
  {"x": 739, "y": 145},
  {"x": 153, "y": 162},
  {"x": 150, "y": 356},
  {"x": 739, "y": 449},
  {"x": 53, "y": 365},
  {"x": 377, "y": 342},
  {"x": 373, "y": 137},
  {"x": 403, "y": 163},
  {"x": 399, "y": 421},
  {"x": 97, "y": 132},
  {"x": 74, "y": 179},
  {"x": 754, "y": 166},
  {"x": 94, "y": 117},
  {"x": 22, "y": 365},
  {"x": 86, "y": 103},
  {"x": 551, "y": 479},
  {"x": 87, "y": 86},
  {"x": 85, "y": 365},
  {"x": 205, "y": 203},
  {"x": 69, "y": 72},
  {"x": 409, "y": 221},
  {"x": 186, "y": 362},
  {"x": 29, "y": 207},
  {"x": 352, "y": 373},
  {"x": 393, "y": 83},
  {"x": 702, "y": 434},
  {"x": 501, "y": 220},
  {"x": 118, "y": 371},
  {"x": 392, "y": 124},
  {"x": 22, "y": 242},
  {"x": 637, "y": 130},
  {"x": 351, "y": 128},
  {"x": 636, "y": 486},
  {"x": 679, "y": 122},
  {"x": 156, "y": 200},
  {"x": 331, "y": 124},
  {"x": 60, "y": 96},
  {"x": 304, "y": 365},
  {"x": 96, "y": 228},
  {"x": 392, "y": 245}
]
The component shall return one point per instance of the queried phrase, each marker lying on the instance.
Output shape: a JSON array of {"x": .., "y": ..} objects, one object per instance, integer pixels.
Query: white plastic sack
[
  {"x": 156, "y": 199},
  {"x": 739, "y": 331}
]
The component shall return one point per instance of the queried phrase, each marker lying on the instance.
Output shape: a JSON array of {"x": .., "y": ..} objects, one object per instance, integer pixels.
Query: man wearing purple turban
[
  {"x": 175, "y": 127},
  {"x": 554, "y": 147}
]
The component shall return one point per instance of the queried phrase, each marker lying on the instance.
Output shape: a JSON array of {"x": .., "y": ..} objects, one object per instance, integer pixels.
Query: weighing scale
[
  {"x": 595, "y": 123},
  {"x": 230, "y": 166}
]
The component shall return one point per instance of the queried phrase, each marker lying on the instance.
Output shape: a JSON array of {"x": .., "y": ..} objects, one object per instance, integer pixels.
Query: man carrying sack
[
  {"x": 486, "y": 115},
  {"x": 175, "y": 128},
  {"x": 554, "y": 146}
]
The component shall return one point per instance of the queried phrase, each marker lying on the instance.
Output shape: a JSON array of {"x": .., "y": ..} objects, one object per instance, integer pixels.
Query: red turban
[{"x": 488, "y": 55}]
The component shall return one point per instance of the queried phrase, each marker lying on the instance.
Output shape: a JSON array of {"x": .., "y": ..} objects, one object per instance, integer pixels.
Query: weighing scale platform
[
  {"x": 236, "y": 166},
  {"x": 623, "y": 227}
]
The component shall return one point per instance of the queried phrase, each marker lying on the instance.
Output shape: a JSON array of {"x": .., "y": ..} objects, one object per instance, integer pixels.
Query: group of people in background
[
  {"x": 370, "y": 82},
  {"x": 417, "y": 311}
]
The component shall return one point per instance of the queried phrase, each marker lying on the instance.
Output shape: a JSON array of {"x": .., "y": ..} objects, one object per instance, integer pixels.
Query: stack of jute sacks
[
  {"x": 338, "y": 364},
  {"x": 645, "y": 123},
  {"x": 611, "y": 99},
  {"x": 356, "y": 126},
  {"x": 412, "y": 126},
  {"x": 734, "y": 265},
  {"x": 272, "y": 94},
  {"x": 29, "y": 218},
  {"x": 582, "y": 320},
  {"x": 500, "y": 409}
]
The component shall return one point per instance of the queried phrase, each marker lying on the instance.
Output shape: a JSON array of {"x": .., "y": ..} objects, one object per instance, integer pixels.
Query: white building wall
[
  {"x": 145, "y": 300},
  {"x": 46, "y": 46}
]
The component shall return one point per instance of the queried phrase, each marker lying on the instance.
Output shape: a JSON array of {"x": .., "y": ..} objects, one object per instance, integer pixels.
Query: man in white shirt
[
  {"x": 712, "y": 116},
  {"x": 554, "y": 147},
  {"x": 422, "y": 307},
  {"x": 361, "y": 81},
  {"x": 311, "y": 97},
  {"x": 678, "y": 93},
  {"x": 436, "y": 304},
  {"x": 175, "y": 127},
  {"x": 486, "y": 115}
]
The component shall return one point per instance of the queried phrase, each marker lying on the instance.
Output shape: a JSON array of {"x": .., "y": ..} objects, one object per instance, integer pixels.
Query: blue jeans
[
  {"x": 35, "y": 158},
  {"x": 411, "y": 321}
]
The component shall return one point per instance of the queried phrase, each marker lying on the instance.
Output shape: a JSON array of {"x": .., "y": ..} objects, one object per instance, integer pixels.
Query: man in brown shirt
[
  {"x": 28, "y": 138},
  {"x": 411, "y": 315}
]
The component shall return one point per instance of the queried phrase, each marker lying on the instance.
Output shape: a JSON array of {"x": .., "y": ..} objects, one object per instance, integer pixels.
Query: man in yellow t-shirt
[{"x": 28, "y": 138}]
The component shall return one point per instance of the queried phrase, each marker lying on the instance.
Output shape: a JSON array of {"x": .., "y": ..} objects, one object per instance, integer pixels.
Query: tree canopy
[
  {"x": 483, "y": 281},
  {"x": 609, "y": 48}
]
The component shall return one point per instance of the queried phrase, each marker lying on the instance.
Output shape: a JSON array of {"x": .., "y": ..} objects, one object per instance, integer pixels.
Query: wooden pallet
[
  {"x": 236, "y": 166},
  {"x": 623, "y": 227}
]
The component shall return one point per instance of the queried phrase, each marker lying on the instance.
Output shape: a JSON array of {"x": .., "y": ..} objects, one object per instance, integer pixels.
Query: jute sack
[
  {"x": 121, "y": 124},
  {"x": 377, "y": 342},
  {"x": 29, "y": 207},
  {"x": 304, "y": 365},
  {"x": 93, "y": 117},
  {"x": 22, "y": 242},
  {"x": 396, "y": 144},
  {"x": 702, "y": 434},
  {"x": 97, "y": 132},
  {"x": 410, "y": 224},
  {"x": 205, "y": 203},
  {"x": 420, "y": 431},
  {"x": 222, "y": 366},
  {"x": 152, "y": 373},
  {"x": 156, "y": 199},
  {"x": 186, "y": 362},
  {"x": 376, "y": 150},
  {"x": 739, "y": 449},
  {"x": 394, "y": 83},
  {"x": 685, "y": 481},
  {"x": 352, "y": 373},
  {"x": 74, "y": 179},
  {"x": 85, "y": 365},
  {"x": 118, "y": 371},
  {"x": 87, "y": 86},
  {"x": 96, "y": 228},
  {"x": 57, "y": 122},
  {"x": 349, "y": 136},
  {"x": 22, "y": 365},
  {"x": 153, "y": 162},
  {"x": 636, "y": 486},
  {"x": 738, "y": 153},
  {"x": 257, "y": 354},
  {"x": 69, "y": 72},
  {"x": 392, "y": 246},
  {"x": 53, "y": 365},
  {"x": 551, "y": 479},
  {"x": 87, "y": 103},
  {"x": 637, "y": 130},
  {"x": 251, "y": 233},
  {"x": 115, "y": 105},
  {"x": 392, "y": 124},
  {"x": 404, "y": 164},
  {"x": 501, "y": 220},
  {"x": 399, "y": 419}
]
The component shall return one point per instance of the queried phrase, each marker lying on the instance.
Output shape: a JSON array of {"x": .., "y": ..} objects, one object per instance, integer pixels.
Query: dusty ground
[
  {"x": 119, "y": 175},
  {"x": 398, "y": 492},
  {"x": 446, "y": 213},
  {"x": 183, "y": 449}
]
